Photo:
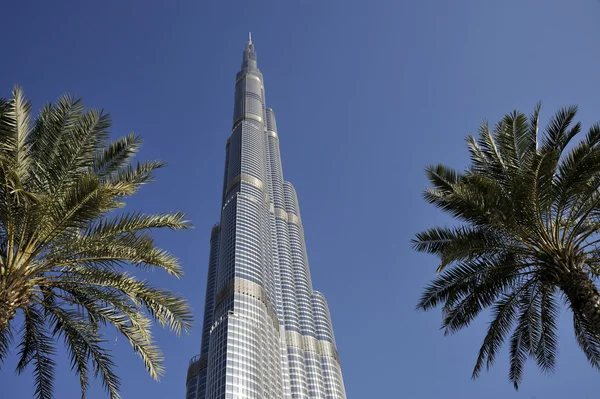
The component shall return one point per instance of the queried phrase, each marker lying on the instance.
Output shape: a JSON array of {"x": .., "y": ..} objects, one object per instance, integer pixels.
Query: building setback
[{"x": 266, "y": 333}]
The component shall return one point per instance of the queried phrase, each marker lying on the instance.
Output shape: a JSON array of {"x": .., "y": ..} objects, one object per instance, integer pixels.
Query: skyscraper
[{"x": 266, "y": 333}]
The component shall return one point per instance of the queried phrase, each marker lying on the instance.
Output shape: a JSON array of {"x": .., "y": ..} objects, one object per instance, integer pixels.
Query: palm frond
[
  {"x": 86, "y": 341},
  {"x": 544, "y": 172},
  {"x": 118, "y": 309},
  {"x": 523, "y": 137},
  {"x": 116, "y": 155},
  {"x": 37, "y": 347},
  {"x": 468, "y": 298},
  {"x": 556, "y": 135},
  {"x": 503, "y": 315},
  {"x": 490, "y": 274},
  {"x": 134, "y": 222},
  {"x": 170, "y": 310},
  {"x": 588, "y": 340},
  {"x": 53, "y": 123},
  {"x": 507, "y": 141},
  {"x": 480, "y": 164},
  {"x": 442, "y": 177},
  {"x": 32, "y": 319},
  {"x": 60, "y": 246},
  {"x": 136, "y": 248},
  {"x": 547, "y": 347},
  {"x": 529, "y": 228},
  {"x": 456, "y": 244},
  {"x": 77, "y": 148},
  {"x": 126, "y": 181},
  {"x": 15, "y": 128},
  {"x": 487, "y": 142},
  {"x": 470, "y": 201},
  {"x": 6, "y": 337},
  {"x": 526, "y": 335}
]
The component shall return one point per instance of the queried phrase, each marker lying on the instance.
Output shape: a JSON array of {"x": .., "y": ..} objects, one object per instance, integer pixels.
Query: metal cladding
[{"x": 266, "y": 333}]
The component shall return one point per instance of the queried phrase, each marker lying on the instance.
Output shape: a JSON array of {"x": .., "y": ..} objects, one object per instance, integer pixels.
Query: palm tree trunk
[{"x": 583, "y": 296}]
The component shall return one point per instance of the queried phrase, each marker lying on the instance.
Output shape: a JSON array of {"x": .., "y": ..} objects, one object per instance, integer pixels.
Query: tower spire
[{"x": 249, "y": 59}]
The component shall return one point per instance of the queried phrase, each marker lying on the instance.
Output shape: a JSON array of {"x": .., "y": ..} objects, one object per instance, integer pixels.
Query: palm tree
[
  {"x": 528, "y": 215},
  {"x": 62, "y": 255}
]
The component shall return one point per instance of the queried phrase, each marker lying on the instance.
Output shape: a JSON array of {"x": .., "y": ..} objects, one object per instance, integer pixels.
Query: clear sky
[{"x": 366, "y": 94}]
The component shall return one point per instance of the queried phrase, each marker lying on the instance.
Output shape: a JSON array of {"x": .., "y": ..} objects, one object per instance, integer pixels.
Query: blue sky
[{"x": 366, "y": 94}]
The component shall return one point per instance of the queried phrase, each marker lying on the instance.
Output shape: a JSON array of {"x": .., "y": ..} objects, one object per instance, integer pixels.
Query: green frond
[
  {"x": 556, "y": 135},
  {"x": 32, "y": 319},
  {"x": 578, "y": 173},
  {"x": 456, "y": 244},
  {"x": 576, "y": 169},
  {"x": 78, "y": 334},
  {"x": 451, "y": 280},
  {"x": 487, "y": 143},
  {"x": 3, "y": 106},
  {"x": 529, "y": 221},
  {"x": 53, "y": 123},
  {"x": 15, "y": 128},
  {"x": 126, "y": 181},
  {"x": 526, "y": 335},
  {"x": 442, "y": 177},
  {"x": 588, "y": 339},
  {"x": 167, "y": 308},
  {"x": 60, "y": 179},
  {"x": 467, "y": 299},
  {"x": 544, "y": 172},
  {"x": 37, "y": 347},
  {"x": 77, "y": 149},
  {"x": 518, "y": 355},
  {"x": 592, "y": 137},
  {"x": 6, "y": 338},
  {"x": 134, "y": 222},
  {"x": 491, "y": 275},
  {"x": 136, "y": 248},
  {"x": 80, "y": 204},
  {"x": 507, "y": 141},
  {"x": 475, "y": 200},
  {"x": 479, "y": 161},
  {"x": 118, "y": 309},
  {"x": 503, "y": 318},
  {"x": 547, "y": 347},
  {"x": 434, "y": 240},
  {"x": 524, "y": 137},
  {"x": 116, "y": 155},
  {"x": 76, "y": 344}
]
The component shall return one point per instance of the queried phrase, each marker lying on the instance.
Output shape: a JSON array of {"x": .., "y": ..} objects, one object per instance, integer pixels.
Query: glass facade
[{"x": 266, "y": 333}]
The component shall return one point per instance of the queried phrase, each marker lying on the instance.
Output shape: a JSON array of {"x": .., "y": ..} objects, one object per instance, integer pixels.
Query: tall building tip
[{"x": 250, "y": 36}]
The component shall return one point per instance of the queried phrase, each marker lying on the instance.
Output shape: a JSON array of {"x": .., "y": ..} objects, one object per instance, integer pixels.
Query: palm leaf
[
  {"x": 37, "y": 347},
  {"x": 62, "y": 245},
  {"x": 588, "y": 339},
  {"x": 116, "y": 155},
  {"x": 556, "y": 136},
  {"x": 85, "y": 341},
  {"x": 6, "y": 337},
  {"x": 526, "y": 335},
  {"x": 503, "y": 314},
  {"x": 529, "y": 228},
  {"x": 547, "y": 346}
]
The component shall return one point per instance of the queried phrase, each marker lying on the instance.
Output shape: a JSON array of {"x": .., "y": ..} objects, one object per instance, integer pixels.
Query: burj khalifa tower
[{"x": 266, "y": 333}]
